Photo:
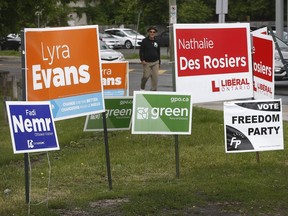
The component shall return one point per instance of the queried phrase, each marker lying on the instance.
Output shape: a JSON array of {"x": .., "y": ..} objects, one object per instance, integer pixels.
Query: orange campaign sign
[
  {"x": 115, "y": 78},
  {"x": 63, "y": 65}
]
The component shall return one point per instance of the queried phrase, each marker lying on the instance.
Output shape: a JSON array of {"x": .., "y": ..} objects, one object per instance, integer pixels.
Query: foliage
[
  {"x": 18, "y": 14},
  {"x": 256, "y": 10},
  {"x": 194, "y": 11}
]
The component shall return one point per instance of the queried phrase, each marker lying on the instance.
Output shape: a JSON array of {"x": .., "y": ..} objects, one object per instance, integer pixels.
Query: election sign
[
  {"x": 161, "y": 113},
  {"x": 118, "y": 115},
  {"x": 254, "y": 125},
  {"x": 63, "y": 66},
  {"x": 263, "y": 30},
  {"x": 31, "y": 126},
  {"x": 115, "y": 78},
  {"x": 263, "y": 66},
  {"x": 213, "y": 61}
]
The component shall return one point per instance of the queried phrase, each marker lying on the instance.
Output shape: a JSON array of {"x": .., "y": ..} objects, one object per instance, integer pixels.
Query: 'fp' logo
[{"x": 237, "y": 142}]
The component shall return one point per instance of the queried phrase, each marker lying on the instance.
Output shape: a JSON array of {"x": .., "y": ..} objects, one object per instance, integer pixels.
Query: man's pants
[{"x": 150, "y": 70}]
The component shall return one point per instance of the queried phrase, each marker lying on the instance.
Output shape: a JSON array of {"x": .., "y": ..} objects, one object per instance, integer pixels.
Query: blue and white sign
[{"x": 31, "y": 126}]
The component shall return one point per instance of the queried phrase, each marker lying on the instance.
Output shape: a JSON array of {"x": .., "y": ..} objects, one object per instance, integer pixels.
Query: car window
[
  {"x": 119, "y": 33},
  {"x": 106, "y": 36},
  {"x": 281, "y": 43},
  {"x": 131, "y": 32},
  {"x": 109, "y": 32},
  {"x": 103, "y": 46}
]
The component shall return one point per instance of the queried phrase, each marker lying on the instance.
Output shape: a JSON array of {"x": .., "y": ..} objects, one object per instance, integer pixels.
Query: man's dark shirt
[{"x": 149, "y": 50}]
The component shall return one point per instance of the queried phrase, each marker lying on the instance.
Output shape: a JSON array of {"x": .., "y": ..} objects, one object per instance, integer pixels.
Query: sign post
[
  {"x": 221, "y": 10},
  {"x": 32, "y": 130},
  {"x": 66, "y": 72}
]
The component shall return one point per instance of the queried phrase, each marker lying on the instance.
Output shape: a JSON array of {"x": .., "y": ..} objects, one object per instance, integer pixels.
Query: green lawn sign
[
  {"x": 118, "y": 115},
  {"x": 161, "y": 113}
]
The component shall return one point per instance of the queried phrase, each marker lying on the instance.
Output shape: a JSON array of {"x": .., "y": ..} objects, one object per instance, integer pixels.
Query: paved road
[{"x": 13, "y": 65}]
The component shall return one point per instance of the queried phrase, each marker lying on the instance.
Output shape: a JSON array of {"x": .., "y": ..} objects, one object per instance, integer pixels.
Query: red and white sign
[
  {"x": 263, "y": 65},
  {"x": 213, "y": 61}
]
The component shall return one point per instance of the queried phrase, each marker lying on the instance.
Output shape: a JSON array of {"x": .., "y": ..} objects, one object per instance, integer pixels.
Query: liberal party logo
[
  {"x": 230, "y": 85},
  {"x": 142, "y": 113},
  {"x": 30, "y": 144}
]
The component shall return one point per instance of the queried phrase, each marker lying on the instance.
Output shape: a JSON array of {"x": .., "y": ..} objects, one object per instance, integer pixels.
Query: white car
[
  {"x": 111, "y": 41},
  {"x": 127, "y": 37},
  {"x": 280, "y": 69},
  {"x": 108, "y": 54}
]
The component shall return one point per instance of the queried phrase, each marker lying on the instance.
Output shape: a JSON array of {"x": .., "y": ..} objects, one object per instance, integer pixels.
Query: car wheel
[{"x": 128, "y": 45}]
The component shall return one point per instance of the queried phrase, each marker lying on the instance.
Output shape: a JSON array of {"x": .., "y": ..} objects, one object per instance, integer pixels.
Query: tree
[
  {"x": 194, "y": 11},
  {"x": 256, "y": 10},
  {"x": 18, "y": 14}
]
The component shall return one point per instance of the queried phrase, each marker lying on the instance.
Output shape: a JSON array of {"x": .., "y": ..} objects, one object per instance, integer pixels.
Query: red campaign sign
[
  {"x": 211, "y": 51},
  {"x": 263, "y": 58}
]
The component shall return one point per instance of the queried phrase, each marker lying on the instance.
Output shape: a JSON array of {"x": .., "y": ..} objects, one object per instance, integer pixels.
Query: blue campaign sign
[{"x": 31, "y": 126}]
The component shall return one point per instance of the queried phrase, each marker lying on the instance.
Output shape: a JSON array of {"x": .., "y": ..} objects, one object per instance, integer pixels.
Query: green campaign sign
[
  {"x": 118, "y": 115},
  {"x": 161, "y": 113}
]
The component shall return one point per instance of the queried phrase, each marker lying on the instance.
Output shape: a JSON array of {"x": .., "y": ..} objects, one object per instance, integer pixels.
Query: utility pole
[
  {"x": 173, "y": 20},
  {"x": 221, "y": 10},
  {"x": 279, "y": 15}
]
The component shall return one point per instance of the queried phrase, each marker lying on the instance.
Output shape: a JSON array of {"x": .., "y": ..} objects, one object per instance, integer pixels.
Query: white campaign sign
[
  {"x": 213, "y": 61},
  {"x": 254, "y": 125}
]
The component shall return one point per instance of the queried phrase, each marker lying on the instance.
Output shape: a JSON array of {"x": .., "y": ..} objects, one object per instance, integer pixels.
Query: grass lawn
[{"x": 143, "y": 172}]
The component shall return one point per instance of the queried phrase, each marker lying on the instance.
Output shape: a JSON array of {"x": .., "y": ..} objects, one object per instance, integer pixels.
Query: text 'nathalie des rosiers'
[{"x": 213, "y": 63}]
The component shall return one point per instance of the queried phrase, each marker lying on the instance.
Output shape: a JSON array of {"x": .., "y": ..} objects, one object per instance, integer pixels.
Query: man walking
[{"x": 150, "y": 58}]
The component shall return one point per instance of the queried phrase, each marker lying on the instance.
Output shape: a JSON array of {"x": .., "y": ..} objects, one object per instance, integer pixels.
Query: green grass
[
  {"x": 143, "y": 174},
  {"x": 9, "y": 53}
]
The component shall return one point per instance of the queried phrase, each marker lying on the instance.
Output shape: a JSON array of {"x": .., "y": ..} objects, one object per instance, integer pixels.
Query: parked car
[
  {"x": 163, "y": 39},
  {"x": 108, "y": 54},
  {"x": 111, "y": 41},
  {"x": 127, "y": 37},
  {"x": 285, "y": 37},
  {"x": 10, "y": 42},
  {"x": 280, "y": 72}
]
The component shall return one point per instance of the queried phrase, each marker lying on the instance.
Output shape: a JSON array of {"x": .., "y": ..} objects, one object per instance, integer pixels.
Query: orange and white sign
[
  {"x": 115, "y": 78},
  {"x": 63, "y": 65}
]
